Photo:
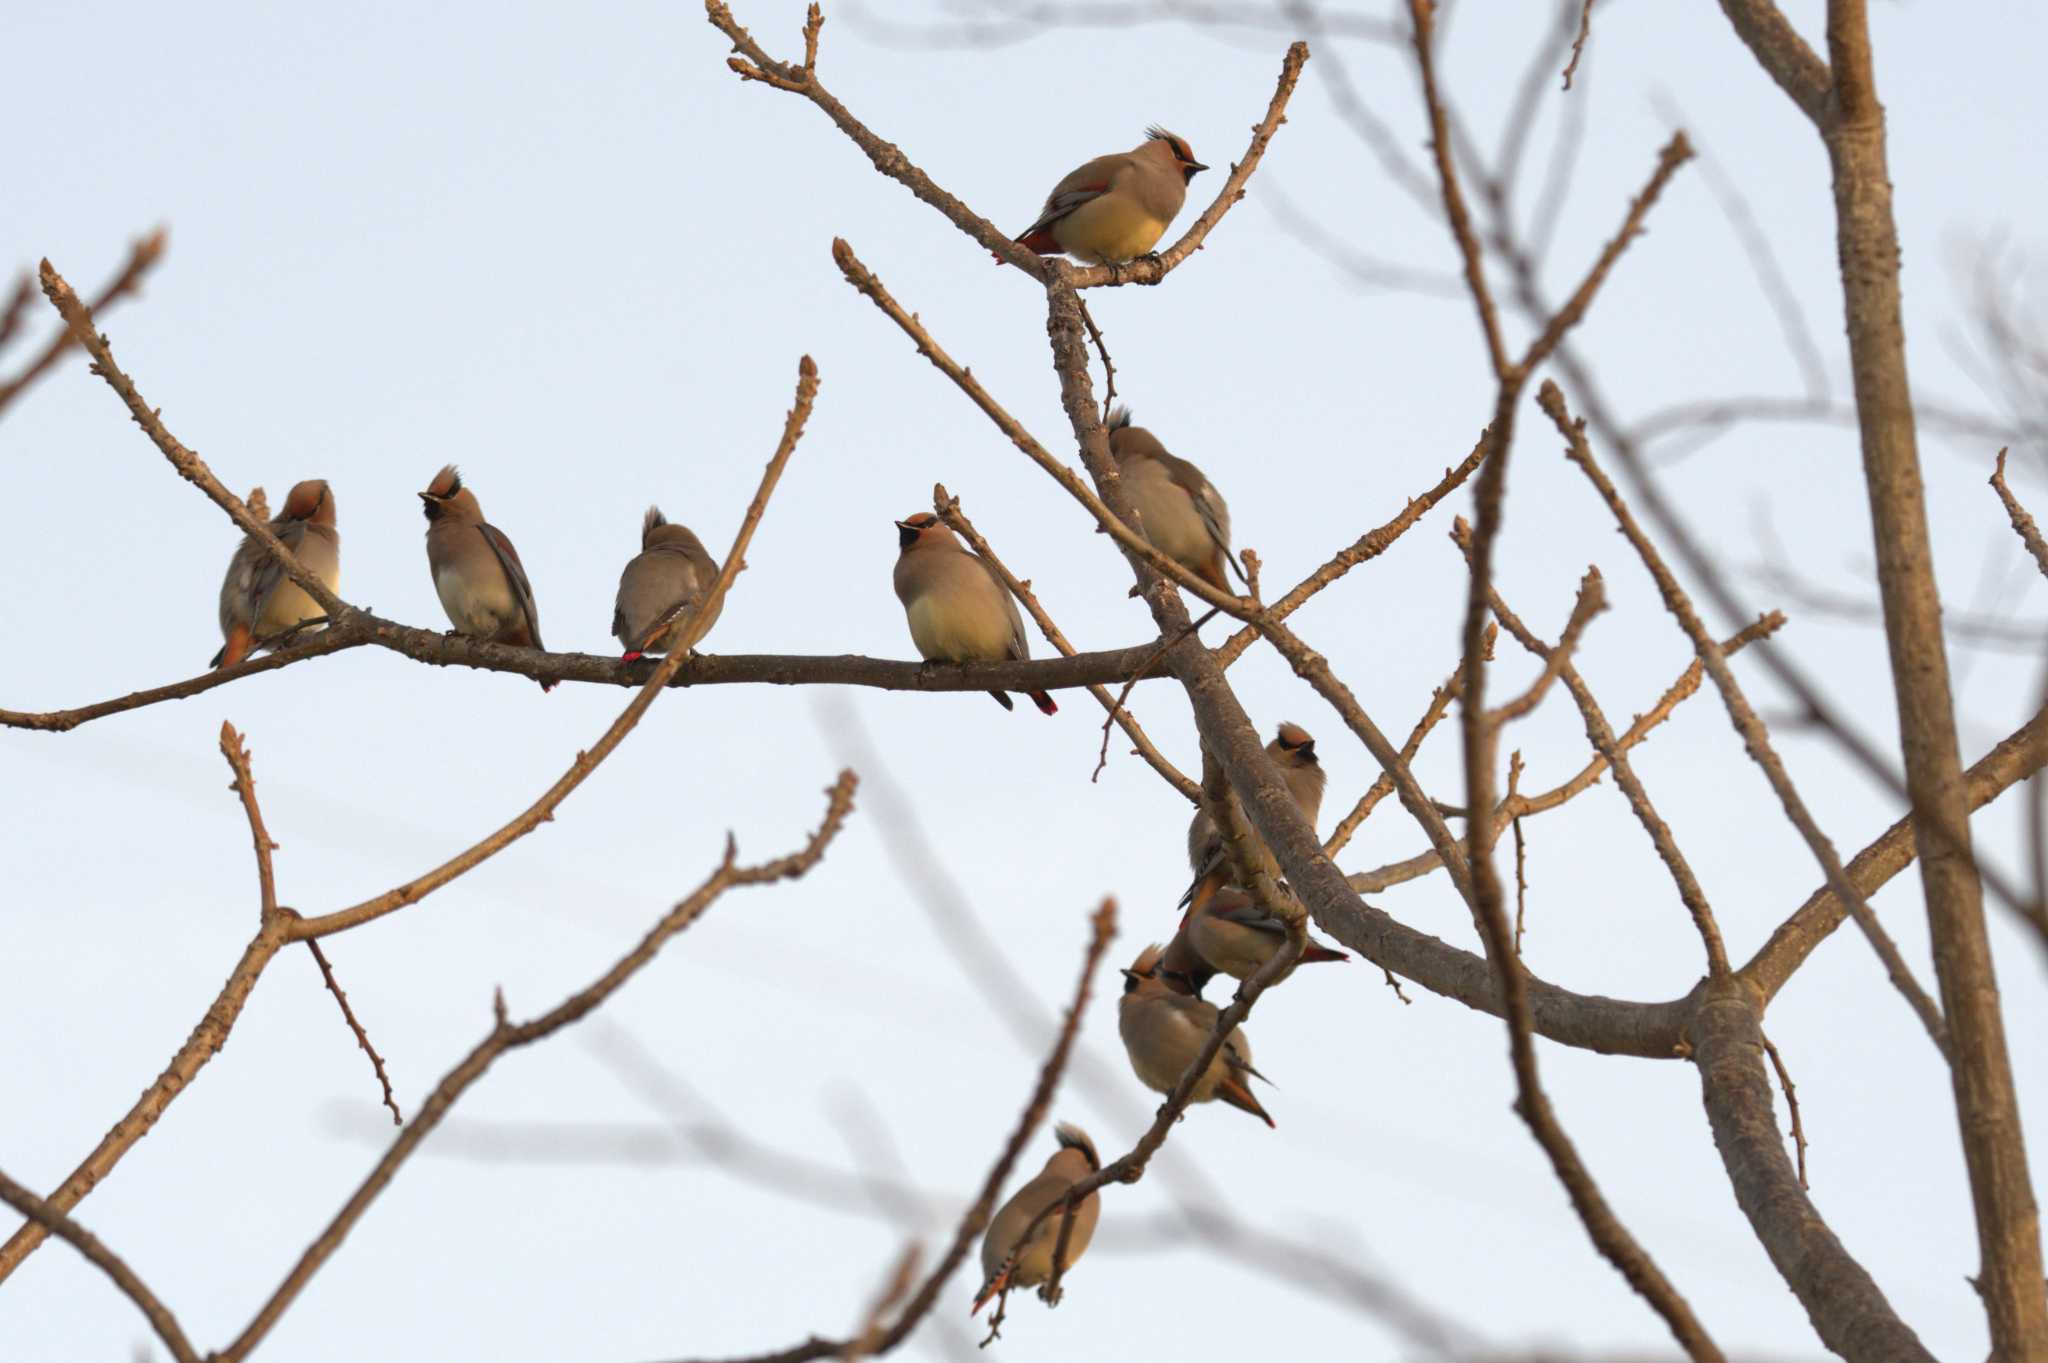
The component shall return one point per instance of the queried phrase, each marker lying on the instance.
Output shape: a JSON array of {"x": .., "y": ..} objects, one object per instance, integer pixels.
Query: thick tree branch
[{"x": 1847, "y": 1309}]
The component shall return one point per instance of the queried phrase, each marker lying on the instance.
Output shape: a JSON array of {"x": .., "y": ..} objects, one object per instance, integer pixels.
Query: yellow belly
[
  {"x": 956, "y": 631},
  {"x": 1108, "y": 230}
]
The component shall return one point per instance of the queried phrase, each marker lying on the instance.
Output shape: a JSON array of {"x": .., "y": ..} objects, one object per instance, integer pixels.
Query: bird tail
[
  {"x": 235, "y": 649},
  {"x": 1043, "y": 702},
  {"x": 1038, "y": 239},
  {"x": 1003, "y": 699},
  {"x": 989, "y": 1289},
  {"x": 1238, "y": 1096}
]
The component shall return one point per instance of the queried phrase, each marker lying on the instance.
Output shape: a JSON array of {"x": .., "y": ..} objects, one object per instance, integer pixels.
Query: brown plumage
[
  {"x": 959, "y": 610},
  {"x": 257, "y": 601},
  {"x": 1115, "y": 208},
  {"x": 1232, "y": 934},
  {"x": 1293, "y": 751},
  {"x": 664, "y": 581},
  {"x": 1181, "y": 513},
  {"x": 477, "y": 572},
  {"x": 1164, "y": 1028},
  {"x": 1007, "y": 1262}
]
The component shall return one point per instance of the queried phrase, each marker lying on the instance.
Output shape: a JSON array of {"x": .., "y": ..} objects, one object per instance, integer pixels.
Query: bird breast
[{"x": 1110, "y": 228}]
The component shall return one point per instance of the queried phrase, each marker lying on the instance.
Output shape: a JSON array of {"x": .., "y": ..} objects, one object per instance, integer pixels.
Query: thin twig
[
  {"x": 1422, "y": 13},
  {"x": 1108, "y": 369},
  {"x": 1791, "y": 1105},
  {"x": 1579, "y": 43},
  {"x": 362, "y": 1037},
  {"x": 142, "y": 254},
  {"x": 1592, "y": 599},
  {"x": 1102, "y": 927},
  {"x": 1601, "y": 735},
  {"x": 1367, "y": 547},
  {"x": 2022, "y": 523},
  {"x": 1102, "y": 757},
  {"x": 232, "y": 748}
]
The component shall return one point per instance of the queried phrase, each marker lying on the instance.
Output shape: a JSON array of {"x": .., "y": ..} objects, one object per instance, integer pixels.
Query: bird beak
[
  {"x": 1128, "y": 974},
  {"x": 427, "y": 497},
  {"x": 1195, "y": 166}
]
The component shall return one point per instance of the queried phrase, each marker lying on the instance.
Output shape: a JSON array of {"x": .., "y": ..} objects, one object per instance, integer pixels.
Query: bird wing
[
  {"x": 515, "y": 573},
  {"x": 262, "y": 572},
  {"x": 1090, "y": 181},
  {"x": 1248, "y": 914},
  {"x": 1020, "y": 642},
  {"x": 1208, "y": 504}
]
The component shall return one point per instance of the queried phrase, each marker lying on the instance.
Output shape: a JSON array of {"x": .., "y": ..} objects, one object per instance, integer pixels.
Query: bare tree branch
[
  {"x": 52, "y": 1221},
  {"x": 975, "y": 1219},
  {"x": 142, "y": 255},
  {"x": 506, "y": 1035}
]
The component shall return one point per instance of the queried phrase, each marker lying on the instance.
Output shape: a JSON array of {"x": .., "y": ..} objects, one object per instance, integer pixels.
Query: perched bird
[
  {"x": 257, "y": 601},
  {"x": 1115, "y": 208},
  {"x": 670, "y": 573},
  {"x": 959, "y": 610},
  {"x": 1182, "y": 515},
  {"x": 1231, "y": 933},
  {"x": 1005, "y": 1263},
  {"x": 477, "y": 573},
  {"x": 1163, "y": 1028},
  {"x": 1294, "y": 752}
]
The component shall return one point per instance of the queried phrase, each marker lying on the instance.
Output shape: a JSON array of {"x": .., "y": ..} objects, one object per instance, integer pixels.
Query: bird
[
  {"x": 663, "y": 581},
  {"x": 477, "y": 573},
  {"x": 1232, "y": 934},
  {"x": 1115, "y": 208},
  {"x": 959, "y": 610},
  {"x": 1007, "y": 1264},
  {"x": 1164, "y": 1025},
  {"x": 1180, "y": 512},
  {"x": 257, "y": 601},
  {"x": 1293, "y": 751}
]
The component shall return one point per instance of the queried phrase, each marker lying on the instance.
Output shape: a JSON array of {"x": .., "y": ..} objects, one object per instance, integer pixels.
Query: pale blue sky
[{"x": 566, "y": 248}]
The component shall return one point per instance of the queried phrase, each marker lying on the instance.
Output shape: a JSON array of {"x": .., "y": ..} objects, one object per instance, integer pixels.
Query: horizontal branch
[{"x": 453, "y": 650}]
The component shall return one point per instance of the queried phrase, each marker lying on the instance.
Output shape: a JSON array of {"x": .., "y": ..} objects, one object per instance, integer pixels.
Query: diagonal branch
[
  {"x": 949, "y": 511},
  {"x": 78, "y": 317},
  {"x": 543, "y": 809},
  {"x": 974, "y": 1221},
  {"x": 507, "y": 1036},
  {"x": 142, "y": 255},
  {"x": 1755, "y": 738},
  {"x": 52, "y": 1221}
]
